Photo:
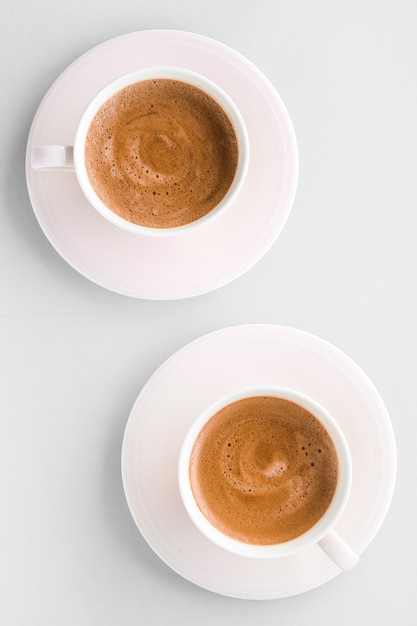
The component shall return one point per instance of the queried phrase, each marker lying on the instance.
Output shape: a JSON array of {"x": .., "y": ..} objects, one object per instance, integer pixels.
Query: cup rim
[
  {"x": 170, "y": 72},
  {"x": 320, "y": 528}
]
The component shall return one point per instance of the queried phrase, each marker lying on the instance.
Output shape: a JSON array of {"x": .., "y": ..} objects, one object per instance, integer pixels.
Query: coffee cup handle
[
  {"x": 45, "y": 157},
  {"x": 338, "y": 551}
]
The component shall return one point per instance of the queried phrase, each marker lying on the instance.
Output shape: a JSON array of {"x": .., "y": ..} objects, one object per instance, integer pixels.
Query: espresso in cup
[
  {"x": 266, "y": 472},
  {"x": 263, "y": 470},
  {"x": 161, "y": 153}
]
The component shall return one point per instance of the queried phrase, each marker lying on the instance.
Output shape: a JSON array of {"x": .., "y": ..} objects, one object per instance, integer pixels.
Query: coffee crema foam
[
  {"x": 263, "y": 470},
  {"x": 161, "y": 153}
]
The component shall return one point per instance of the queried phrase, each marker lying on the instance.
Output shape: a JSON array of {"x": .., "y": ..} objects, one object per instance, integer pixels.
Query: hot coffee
[
  {"x": 161, "y": 153},
  {"x": 263, "y": 470}
]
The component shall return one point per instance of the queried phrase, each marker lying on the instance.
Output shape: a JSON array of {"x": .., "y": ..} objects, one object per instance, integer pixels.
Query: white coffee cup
[
  {"x": 322, "y": 533},
  {"x": 66, "y": 156}
]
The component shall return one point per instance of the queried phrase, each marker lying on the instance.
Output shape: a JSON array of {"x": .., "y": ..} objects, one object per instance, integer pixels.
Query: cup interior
[
  {"x": 181, "y": 74},
  {"x": 325, "y": 523}
]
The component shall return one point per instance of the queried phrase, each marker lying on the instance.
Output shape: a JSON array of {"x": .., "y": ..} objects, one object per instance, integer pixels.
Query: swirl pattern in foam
[
  {"x": 161, "y": 153},
  {"x": 263, "y": 470}
]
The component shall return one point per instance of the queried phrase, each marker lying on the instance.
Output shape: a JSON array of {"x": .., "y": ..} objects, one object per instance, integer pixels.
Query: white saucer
[
  {"x": 210, "y": 367},
  {"x": 185, "y": 265}
]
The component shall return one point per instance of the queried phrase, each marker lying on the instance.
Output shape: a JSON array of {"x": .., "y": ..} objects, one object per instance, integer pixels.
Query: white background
[{"x": 73, "y": 356}]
